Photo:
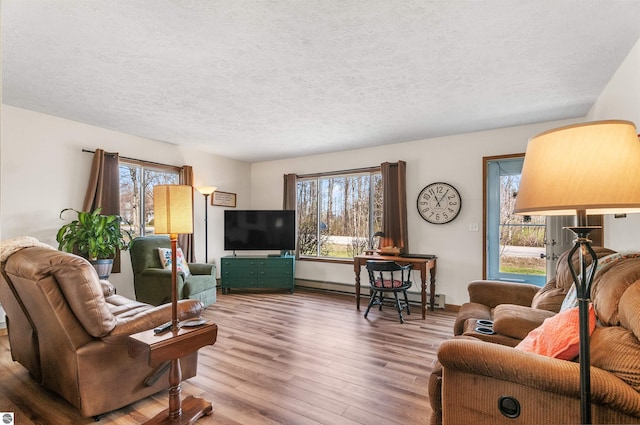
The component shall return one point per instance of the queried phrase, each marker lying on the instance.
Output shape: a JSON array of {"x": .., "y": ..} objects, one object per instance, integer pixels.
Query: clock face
[{"x": 439, "y": 203}]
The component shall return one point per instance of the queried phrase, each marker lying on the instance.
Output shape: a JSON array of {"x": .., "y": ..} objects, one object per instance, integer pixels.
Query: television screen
[{"x": 258, "y": 230}]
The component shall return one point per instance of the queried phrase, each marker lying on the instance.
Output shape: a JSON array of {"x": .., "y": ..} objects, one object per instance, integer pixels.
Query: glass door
[{"x": 515, "y": 249}]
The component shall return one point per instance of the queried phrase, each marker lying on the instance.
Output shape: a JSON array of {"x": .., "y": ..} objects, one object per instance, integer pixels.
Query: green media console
[{"x": 254, "y": 271}]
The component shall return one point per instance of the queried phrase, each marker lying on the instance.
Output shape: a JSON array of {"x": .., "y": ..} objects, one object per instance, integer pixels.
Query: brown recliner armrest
[
  {"x": 492, "y": 293},
  {"x": 149, "y": 319},
  {"x": 510, "y": 365}
]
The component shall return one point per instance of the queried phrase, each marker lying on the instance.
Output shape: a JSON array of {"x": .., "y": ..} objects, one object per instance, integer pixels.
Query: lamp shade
[
  {"x": 173, "y": 209},
  {"x": 206, "y": 190},
  {"x": 592, "y": 167}
]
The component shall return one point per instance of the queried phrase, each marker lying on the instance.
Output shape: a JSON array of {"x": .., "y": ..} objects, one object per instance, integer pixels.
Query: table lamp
[
  {"x": 206, "y": 191},
  {"x": 378, "y": 234},
  {"x": 173, "y": 215},
  {"x": 584, "y": 169}
]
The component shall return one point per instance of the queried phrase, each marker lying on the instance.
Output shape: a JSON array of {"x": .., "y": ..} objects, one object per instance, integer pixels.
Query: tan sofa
[
  {"x": 515, "y": 308},
  {"x": 473, "y": 375},
  {"x": 70, "y": 330}
]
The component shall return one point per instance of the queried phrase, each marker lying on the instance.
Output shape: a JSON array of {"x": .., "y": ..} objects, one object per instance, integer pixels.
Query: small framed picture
[{"x": 223, "y": 199}]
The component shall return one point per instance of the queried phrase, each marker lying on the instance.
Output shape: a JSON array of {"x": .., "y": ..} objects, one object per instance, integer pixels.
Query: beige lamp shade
[
  {"x": 173, "y": 209},
  {"x": 592, "y": 167},
  {"x": 206, "y": 190}
]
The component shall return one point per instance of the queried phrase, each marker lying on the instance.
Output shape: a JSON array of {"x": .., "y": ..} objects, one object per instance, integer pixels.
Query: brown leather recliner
[{"x": 70, "y": 330}]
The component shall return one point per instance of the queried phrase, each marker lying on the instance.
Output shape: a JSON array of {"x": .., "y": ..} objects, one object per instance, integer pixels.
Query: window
[
  {"x": 136, "y": 192},
  {"x": 338, "y": 213}
]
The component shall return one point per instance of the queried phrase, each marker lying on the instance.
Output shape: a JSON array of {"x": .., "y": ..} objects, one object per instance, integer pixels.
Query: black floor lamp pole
[
  {"x": 206, "y": 229},
  {"x": 583, "y": 288},
  {"x": 206, "y": 191}
]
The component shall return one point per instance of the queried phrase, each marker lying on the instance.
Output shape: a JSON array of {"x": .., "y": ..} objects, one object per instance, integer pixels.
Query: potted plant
[{"x": 95, "y": 237}]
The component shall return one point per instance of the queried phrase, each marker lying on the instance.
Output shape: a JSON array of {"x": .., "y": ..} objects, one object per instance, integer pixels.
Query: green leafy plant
[{"x": 93, "y": 235}]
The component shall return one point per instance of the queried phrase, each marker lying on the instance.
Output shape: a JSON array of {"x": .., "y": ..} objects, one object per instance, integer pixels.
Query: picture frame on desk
[{"x": 223, "y": 199}]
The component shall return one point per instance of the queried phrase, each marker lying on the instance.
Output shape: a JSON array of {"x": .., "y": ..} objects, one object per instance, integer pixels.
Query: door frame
[
  {"x": 597, "y": 236},
  {"x": 486, "y": 159}
]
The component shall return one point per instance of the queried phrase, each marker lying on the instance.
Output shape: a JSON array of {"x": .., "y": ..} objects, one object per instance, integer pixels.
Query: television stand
[{"x": 257, "y": 272}]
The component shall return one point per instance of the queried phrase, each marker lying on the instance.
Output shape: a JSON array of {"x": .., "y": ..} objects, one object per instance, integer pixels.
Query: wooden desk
[
  {"x": 171, "y": 346},
  {"x": 422, "y": 264}
]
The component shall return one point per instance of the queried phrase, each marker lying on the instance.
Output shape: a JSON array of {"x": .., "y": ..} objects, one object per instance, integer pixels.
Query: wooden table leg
[
  {"x": 423, "y": 290},
  {"x": 432, "y": 286},
  {"x": 357, "y": 271},
  {"x": 182, "y": 412}
]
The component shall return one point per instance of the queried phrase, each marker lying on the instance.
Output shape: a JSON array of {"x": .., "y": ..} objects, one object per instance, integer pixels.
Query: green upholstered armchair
[{"x": 152, "y": 282}]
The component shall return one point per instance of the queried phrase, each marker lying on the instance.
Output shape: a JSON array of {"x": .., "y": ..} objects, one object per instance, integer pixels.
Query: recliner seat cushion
[{"x": 516, "y": 321}]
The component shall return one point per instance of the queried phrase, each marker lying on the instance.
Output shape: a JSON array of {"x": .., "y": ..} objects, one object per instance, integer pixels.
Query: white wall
[
  {"x": 44, "y": 170},
  {"x": 456, "y": 160},
  {"x": 621, "y": 100}
]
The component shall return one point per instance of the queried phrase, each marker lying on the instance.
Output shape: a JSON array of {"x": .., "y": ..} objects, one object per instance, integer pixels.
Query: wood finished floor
[{"x": 306, "y": 358}]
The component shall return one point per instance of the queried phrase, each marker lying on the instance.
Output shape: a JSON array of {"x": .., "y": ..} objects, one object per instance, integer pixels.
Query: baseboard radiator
[{"x": 414, "y": 295}]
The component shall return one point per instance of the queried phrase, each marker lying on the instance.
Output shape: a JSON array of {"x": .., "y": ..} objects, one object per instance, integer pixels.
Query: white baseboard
[{"x": 414, "y": 296}]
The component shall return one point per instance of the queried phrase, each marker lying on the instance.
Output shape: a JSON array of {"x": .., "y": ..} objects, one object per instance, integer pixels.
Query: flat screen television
[{"x": 259, "y": 230}]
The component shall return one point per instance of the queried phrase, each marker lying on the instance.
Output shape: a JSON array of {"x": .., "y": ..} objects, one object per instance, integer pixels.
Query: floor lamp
[
  {"x": 584, "y": 169},
  {"x": 206, "y": 191}
]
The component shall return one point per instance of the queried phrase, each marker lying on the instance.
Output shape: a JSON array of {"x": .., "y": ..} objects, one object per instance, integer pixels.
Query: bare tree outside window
[
  {"x": 309, "y": 234},
  {"x": 518, "y": 231},
  {"x": 337, "y": 214},
  {"x": 136, "y": 194}
]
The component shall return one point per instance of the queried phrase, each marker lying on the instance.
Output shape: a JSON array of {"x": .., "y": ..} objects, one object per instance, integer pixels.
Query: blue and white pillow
[{"x": 181, "y": 264}]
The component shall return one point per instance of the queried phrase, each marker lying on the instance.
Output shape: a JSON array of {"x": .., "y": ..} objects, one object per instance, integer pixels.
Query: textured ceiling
[{"x": 260, "y": 80}]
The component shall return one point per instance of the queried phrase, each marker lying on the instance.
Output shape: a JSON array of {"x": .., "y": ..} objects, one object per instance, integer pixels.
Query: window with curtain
[
  {"x": 137, "y": 181},
  {"x": 338, "y": 213}
]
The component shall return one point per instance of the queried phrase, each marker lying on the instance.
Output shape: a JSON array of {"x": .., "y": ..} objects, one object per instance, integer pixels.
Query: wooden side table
[{"x": 171, "y": 346}]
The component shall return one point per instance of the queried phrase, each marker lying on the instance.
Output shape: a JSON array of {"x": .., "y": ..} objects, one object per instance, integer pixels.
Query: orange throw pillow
[{"x": 558, "y": 336}]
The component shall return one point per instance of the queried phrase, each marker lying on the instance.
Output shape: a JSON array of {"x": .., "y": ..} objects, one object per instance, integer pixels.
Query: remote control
[{"x": 162, "y": 328}]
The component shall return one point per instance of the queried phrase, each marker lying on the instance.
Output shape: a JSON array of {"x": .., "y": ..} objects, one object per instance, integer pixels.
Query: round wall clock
[{"x": 439, "y": 203}]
